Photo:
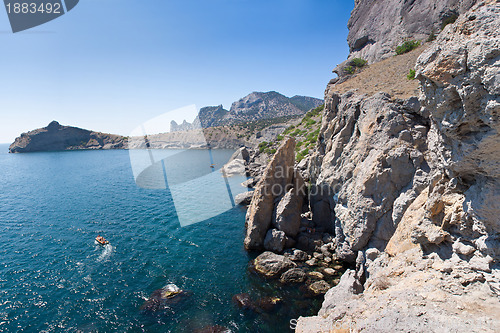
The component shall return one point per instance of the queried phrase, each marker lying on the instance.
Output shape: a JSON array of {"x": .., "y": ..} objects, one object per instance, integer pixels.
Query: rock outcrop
[
  {"x": 413, "y": 189},
  {"x": 56, "y": 137},
  {"x": 278, "y": 179}
]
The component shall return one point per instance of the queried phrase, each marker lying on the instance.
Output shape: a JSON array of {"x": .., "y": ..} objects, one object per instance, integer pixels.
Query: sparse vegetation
[
  {"x": 271, "y": 151},
  {"x": 349, "y": 69},
  {"x": 407, "y": 46},
  {"x": 411, "y": 75},
  {"x": 358, "y": 62},
  {"x": 263, "y": 146}
]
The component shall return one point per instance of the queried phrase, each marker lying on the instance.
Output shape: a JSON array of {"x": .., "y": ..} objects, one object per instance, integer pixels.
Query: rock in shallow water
[
  {"x": 164, "y": 298},
  {"x": 316, "y": 275},
  {"x": 243, "y": 301},
  {"x": 294, "y": 275},
  {"x": 319, "y": 287},
  {"x": 267, "y": 304},
  {"x": 272, "y": 265}
]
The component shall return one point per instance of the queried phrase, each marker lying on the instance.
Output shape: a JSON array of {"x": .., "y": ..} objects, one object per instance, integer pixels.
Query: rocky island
[{"x": 56, "y": 137}]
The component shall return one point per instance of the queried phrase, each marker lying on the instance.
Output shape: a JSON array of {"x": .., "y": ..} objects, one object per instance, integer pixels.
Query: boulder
[
  {"x": 296, "y": 255},
  {"x": 277, "y": 176},
  {"x": 319, "y": 287},
  {"x": 288, "y": 210},
  {"x": 294, "y": 275},
  {"x": 275, "y": 241},
  {"x": 316, "y": 275},
  {"x": 272, "y": 265}
]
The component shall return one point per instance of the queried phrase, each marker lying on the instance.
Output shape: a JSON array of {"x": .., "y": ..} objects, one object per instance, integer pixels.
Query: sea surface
[{"x": 54, "y": 278}]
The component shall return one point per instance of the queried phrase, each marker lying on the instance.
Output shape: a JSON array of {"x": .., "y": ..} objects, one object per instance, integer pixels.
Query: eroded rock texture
[
  {"x": 377, "y": 27},
  {"x": 280, "y": 188},
  {"x": 416, "y": 183}
]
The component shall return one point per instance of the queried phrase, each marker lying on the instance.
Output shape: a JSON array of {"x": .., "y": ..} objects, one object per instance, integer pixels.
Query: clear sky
[{"x": 109, "y": 65}]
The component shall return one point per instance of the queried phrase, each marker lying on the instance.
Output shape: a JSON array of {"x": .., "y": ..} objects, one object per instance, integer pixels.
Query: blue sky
[{"x": 109, "y": 65}]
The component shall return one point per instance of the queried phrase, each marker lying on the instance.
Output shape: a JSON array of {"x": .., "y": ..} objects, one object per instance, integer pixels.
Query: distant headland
[{"x": 254, "y": 118}]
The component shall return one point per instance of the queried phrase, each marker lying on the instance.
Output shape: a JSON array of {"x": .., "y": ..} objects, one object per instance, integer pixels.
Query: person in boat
[{"x": 100, "y": 239}]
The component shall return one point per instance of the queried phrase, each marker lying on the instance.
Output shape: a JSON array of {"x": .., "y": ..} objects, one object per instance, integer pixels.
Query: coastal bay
[{"x": 53, "y": 277}]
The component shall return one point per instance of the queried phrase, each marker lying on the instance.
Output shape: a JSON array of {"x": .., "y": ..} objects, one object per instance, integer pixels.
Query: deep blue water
[{"x": 54, "y": 278}]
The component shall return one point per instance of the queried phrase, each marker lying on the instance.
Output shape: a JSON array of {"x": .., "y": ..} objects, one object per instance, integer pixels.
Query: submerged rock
[
  {"x": 164, "y": 298},
  {"x": 243, "y": 301},
  {"x": 264, "y": 304},
  {"x": 267, "y": 304}
]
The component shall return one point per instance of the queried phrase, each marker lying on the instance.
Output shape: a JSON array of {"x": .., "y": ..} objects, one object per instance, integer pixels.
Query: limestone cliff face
[
  {"x": 376, "y": 27},
  {"x": 416, "y": 186},
  {"x": 57, "y": 137}
]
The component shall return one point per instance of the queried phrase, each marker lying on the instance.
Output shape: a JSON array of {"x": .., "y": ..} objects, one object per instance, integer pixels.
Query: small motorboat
[{"x": 101, "y": 240}]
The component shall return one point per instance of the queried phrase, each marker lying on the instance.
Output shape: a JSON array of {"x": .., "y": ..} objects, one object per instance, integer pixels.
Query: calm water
[{"x": 54, "y": 278}]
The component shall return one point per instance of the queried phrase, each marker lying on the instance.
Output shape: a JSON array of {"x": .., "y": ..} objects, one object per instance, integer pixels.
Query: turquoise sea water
[{"x": 53, "y": 278}]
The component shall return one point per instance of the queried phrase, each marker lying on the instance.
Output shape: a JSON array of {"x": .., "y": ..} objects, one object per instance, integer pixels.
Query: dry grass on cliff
[{"x": 388, "y": 76}]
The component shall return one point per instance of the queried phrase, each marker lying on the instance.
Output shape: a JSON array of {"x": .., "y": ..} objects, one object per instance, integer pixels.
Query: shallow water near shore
[{"x": 53, "y": 277}]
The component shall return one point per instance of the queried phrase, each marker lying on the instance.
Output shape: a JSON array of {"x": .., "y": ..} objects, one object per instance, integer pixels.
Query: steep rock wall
[
  {"x": 417, "y": 194},
  {"x": 376, "y": 27}
]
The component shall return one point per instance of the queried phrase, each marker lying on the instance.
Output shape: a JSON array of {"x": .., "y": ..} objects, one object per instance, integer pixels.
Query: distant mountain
[
  {"x": 253, "y": 107},
  {"x": 271, "y": 108},
  {"x": 257, "y": 106},
  {"x": 56, "y": 137}
]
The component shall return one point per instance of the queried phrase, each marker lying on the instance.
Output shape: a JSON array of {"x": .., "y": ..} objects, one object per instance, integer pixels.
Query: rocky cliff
[
  {"x": 57, "y": 137},
  {"x": 406, "y": 190},
  {"x": 377, "y": 27},
  {"x": 416, "y": 186}
]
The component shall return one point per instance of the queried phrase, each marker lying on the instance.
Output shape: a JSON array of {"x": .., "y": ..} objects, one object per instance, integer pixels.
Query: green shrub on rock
[
  {"x": 412, "y": 74},
  {"x": 407, "y": 46},
  {"x": 358, "y": 62},
  {"x": 349, "y": 70}
]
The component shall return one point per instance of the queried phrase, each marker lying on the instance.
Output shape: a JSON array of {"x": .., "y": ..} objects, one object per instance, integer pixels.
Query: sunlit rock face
[
  {"x": 416, "y": 186},
  {"x": 377, "y": 27}
]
